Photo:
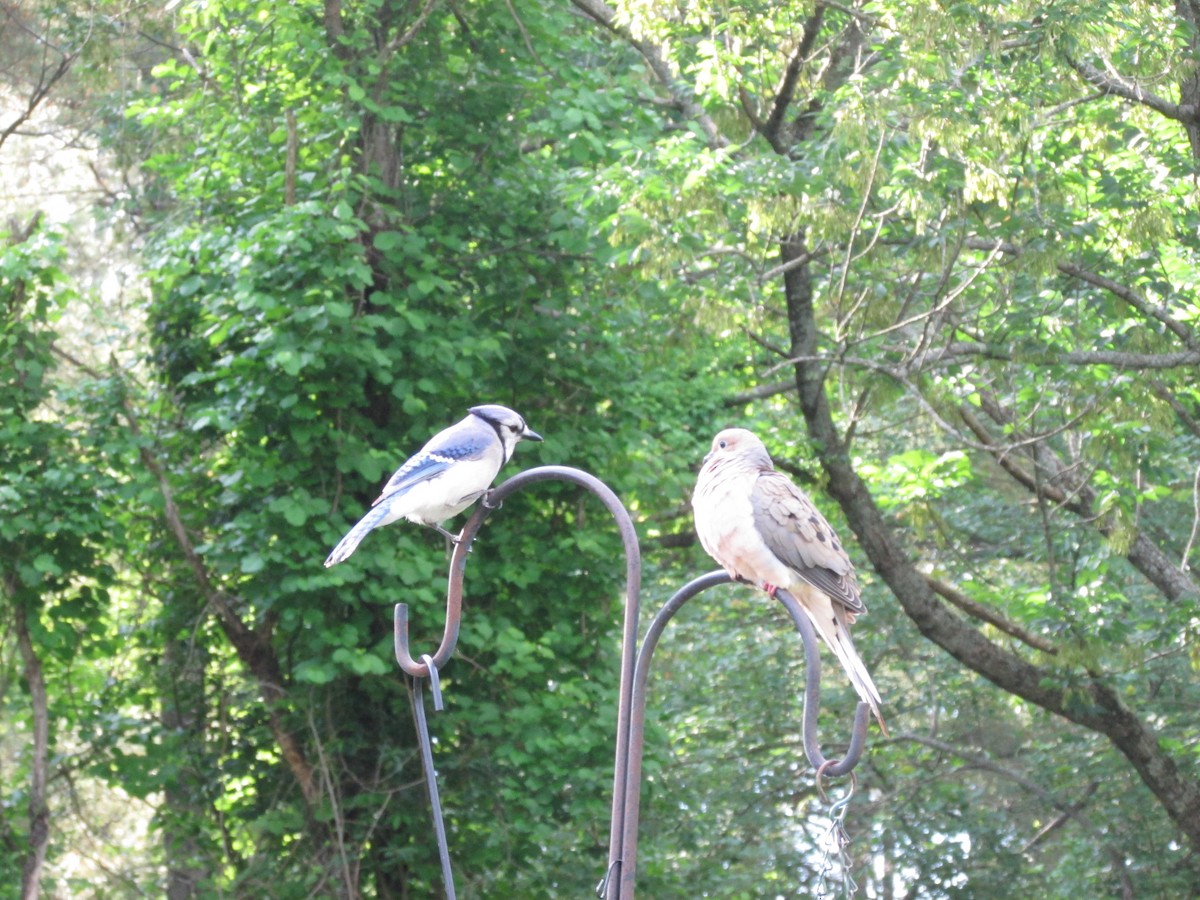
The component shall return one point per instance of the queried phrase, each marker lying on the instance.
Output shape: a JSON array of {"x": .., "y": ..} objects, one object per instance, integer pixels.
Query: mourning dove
[
  {"x": 453, "y": 470},
  {"x": 765, "y": 531}
]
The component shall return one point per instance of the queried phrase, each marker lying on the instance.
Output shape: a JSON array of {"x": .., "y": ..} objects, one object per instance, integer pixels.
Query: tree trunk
[
  {"x": 39, "y": 809},
  {"x": 181, "y": 676},
  {"x": 1091, "y": 703}
]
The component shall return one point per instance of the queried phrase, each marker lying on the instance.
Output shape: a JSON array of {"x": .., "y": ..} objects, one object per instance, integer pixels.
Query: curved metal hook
[
  {"x": 632, "y": 789},
  {"x": 838, "y": 807},
  {"x": 458, "y": 561},
  {"x": 812, "y": 698},
  {"x": 633, "y": 582}
]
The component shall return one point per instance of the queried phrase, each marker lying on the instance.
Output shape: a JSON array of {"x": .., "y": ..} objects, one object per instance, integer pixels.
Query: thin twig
[{"x": 1183, "y": 563}]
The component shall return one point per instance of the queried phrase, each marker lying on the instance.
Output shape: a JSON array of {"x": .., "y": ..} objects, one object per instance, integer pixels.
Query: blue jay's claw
[
  {"x": 452, "y": 538},
  {"x": 486, "y": 501}
]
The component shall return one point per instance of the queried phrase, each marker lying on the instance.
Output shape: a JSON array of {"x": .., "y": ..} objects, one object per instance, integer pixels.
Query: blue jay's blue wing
[{"x": 430, "y": 463}]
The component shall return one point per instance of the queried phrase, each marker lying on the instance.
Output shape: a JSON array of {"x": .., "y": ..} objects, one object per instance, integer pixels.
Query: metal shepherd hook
[
  {"x": 429, "y": 665},
  {"x": 620, "y": 875}
]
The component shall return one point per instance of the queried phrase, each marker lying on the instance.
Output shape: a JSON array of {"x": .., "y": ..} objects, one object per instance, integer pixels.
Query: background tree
[
  {"x": 951, "y": 254},
  {"x": 942, "y": 259}
]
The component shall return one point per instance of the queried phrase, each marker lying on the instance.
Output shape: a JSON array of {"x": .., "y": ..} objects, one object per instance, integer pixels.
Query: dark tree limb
[
  {"x": 1188, "y": 12},
  {"x": 335, "y": 31},
  {"x": 1089, "y": 702},
  {"x": 976, "y": 610},
  {"x": 1128, "y": 89},
  {"x": 786, "y": 92}
]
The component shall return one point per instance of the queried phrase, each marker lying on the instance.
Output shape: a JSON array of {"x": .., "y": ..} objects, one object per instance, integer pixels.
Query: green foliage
[
  {"x": 56, "y": 578},
  {"x": 311, "y": 325},
  {"x": 360, "y": 219}
]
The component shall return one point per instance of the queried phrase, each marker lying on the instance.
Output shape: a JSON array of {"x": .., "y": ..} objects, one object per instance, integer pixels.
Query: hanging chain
[{"x": 836, "y": 863}]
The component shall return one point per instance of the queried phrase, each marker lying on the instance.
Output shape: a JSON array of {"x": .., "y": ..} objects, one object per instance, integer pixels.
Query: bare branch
[
  {"x": 409, "y": 33},
  {"x": 1133, "y": 298},
  {"x": 760, "y": 392},
  {"x": 1062, "y": 818},
  {"x": 1123, "y": 292},
  {"x": 533, "y": 54},
  {"x": 1119, "y": 86},
  {"x": 786, "y": 92},
  {"x": 979, "y": 761},
  {"x": 1118, "y": 359},
  {"x": 984, "y": 613},
  {"x": 801, "y": 259},
  {"x": 46, "y": 82},
  {"x": 1181, "y": 412},
  {"x": 1071, "y": 491}
]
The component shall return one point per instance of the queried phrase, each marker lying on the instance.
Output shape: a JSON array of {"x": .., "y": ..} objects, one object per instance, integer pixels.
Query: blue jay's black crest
[{"x": 446, "y": 476}]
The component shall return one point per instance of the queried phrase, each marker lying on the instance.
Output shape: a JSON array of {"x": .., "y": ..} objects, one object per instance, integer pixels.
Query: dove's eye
[{"x": 721, "y": 444}]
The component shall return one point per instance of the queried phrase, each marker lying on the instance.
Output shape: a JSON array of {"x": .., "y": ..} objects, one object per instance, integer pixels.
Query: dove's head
[{"x": 737, "y": 445}]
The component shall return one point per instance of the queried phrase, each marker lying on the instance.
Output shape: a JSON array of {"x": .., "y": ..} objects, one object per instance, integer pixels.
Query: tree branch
[
  {"x": 976, "y": 610},
  {"x": 1126, "y": 88},
  {"x": 335, "y": 31},
  {"x": 1118, "y": 359},
  {"x": 759, "y": 392},
  {"x": 46, "y": 82},
  {"x": 253, "y": 646},
  {"x": 786, "y": 92},
  {"x": 1133, "y": 298},
  {"x": 39, "y": 809},
  {"x": 1122, "y": 292},
  {"x": 1092, "y": 703},
  {"x": 656, "y": 60},
  {"x": 1062, "y": 486}
]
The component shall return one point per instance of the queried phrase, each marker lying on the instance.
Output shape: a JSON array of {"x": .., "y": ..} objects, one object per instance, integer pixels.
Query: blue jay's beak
[{"x": 530, "y": 435}]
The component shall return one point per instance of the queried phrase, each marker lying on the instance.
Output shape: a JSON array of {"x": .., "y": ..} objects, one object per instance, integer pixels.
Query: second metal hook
[{"x": 625, "y": 865}]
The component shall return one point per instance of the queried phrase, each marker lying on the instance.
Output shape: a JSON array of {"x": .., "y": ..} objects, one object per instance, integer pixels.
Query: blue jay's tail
[{"x": 354, "y": 536}]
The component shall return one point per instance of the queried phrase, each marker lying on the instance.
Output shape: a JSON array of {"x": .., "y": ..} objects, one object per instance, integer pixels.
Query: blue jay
[{"x": 446, "y": 476}]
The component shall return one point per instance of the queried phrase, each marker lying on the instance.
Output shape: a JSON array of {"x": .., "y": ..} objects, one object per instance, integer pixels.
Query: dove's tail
[
  {"x": 354, "y": 536},
  {"x": 832, "y": 625}
]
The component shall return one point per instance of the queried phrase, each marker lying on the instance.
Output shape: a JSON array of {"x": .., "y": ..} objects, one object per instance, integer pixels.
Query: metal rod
[
  {"x": 622, "y": 888},
  {"x": 435, "y": 683},
  {"x": 426, "y": 745}
]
